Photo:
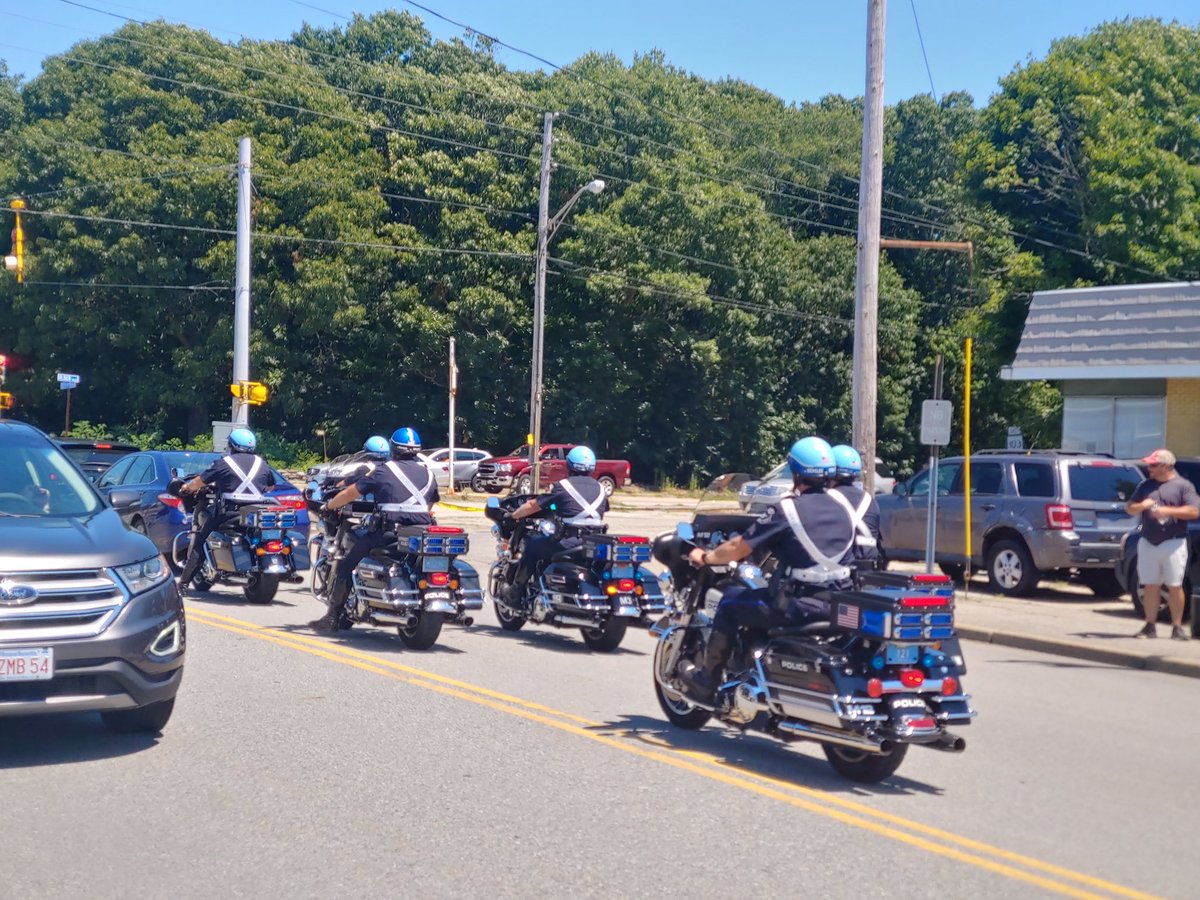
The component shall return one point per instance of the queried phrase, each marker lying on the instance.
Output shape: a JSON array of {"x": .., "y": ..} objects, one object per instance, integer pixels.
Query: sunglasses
[{"x": 1154, "y": 465}]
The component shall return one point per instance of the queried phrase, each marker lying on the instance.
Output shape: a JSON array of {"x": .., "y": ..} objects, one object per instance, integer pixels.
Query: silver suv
[
  {"x": 1033, "y": 514},
  {"x": 90, "y": 619}
]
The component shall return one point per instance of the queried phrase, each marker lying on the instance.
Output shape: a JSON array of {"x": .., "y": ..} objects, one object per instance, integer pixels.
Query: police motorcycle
[
  {"x": 415, "y": 584},
  {"x": 881, "y": 673},
  {"x": 257, "y": 549},
  {"x": 600, "y": 587}
]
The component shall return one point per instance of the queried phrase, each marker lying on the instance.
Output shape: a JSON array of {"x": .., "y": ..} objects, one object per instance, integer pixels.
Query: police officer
[
  {"x": 812, "y": 538},
  {"x": 404, "y": 493},
  {"x": 861, "y": 506},
  {"x": 239, "y": 477},
  {"x": 581, "y": 502},
  {"x": 375, "y": 451}
]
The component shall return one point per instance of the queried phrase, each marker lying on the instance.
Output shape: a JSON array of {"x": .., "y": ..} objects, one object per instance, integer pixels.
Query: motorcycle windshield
[{"x": 720, "y": 513}]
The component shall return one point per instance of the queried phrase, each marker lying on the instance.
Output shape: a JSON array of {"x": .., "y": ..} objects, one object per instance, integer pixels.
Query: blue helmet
[
  {"x": 581, "y": 461},
  {"x": 847, "y": 460},
  {"x": 811, "y": 457},
  {"x": 405, "y": 442},
  {"x": 242, "y": 440},
  {"x": 377, "y": 447}
]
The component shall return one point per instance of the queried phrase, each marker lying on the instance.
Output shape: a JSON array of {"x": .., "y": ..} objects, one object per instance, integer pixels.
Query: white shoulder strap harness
[
  {"x": 591, "y": 511},
  {"x": 863, "y": 538},
  {"x": 827, "y": 569},
  {"x": 247, "y": 490},
  {"x": 417, "y": 501}
]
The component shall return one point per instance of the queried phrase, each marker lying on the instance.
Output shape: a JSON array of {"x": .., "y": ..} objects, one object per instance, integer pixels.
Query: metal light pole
[
  {"x": 547, "y": 226},
  {"x": 241, "y": 294},
  {"x": 453, "y": 395},
  {"x": 866, "y": 297},
  {"x": 320, "y": 432}
]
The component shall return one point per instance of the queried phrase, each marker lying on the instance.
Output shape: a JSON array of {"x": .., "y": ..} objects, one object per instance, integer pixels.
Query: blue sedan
[{"x": 136, "y": 486}]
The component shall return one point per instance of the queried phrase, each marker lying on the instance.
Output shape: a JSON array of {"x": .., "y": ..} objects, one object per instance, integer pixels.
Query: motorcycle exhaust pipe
[
  {"x": 950, "y": 743},
  {"x": 572, "y": 621},
  {"x": 467, "y": 621},
  {"x": 829, "y": 736}
]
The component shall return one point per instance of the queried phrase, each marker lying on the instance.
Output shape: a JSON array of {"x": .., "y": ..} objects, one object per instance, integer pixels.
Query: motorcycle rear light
[
  {"x": 632, "y": 539},
  {"x": 931, "y": 578},
  {"x": 949, "y": 685},
  {"x": 439, "y": 579},
  {"x": 923, "y": 722},
  {"x": 874, "y": 688},
  {"x": 911, "y": 678},
  {"x": 443, "y": 529},
  {"x": 611, "y": 590},
  {"x": 1058, "y": 517},
  {"x": 625, "y": 585},
  {"x": 274, "y": 546},
  {"x": 925, "y": 600},
  {"x": 171, "y": 501}
]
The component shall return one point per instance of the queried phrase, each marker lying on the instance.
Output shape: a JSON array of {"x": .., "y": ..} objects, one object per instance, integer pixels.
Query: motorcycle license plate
[
  {"x": 272, "y": 535},
  {"x": 436, "y": 595},
  {"x": 33, "y": 664},
  {"x": 901, "y": 655}
]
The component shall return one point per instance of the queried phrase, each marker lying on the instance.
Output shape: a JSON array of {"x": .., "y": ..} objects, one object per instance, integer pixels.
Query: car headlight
[
  {"x": 504, "y": 467},
  {"x": 141, "y": 576}
]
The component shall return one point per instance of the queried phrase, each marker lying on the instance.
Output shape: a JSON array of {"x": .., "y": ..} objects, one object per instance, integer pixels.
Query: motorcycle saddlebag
[
  {"x": 229, "y": 552},
  {"x": 894, "y": 616},
  {"x": 299, "y": 551}
]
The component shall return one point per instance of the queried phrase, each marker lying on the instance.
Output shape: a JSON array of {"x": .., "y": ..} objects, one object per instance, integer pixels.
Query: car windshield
[
  {"x": 38, "y": 480},
  {"x": 777, "y": 472},
  {"x": 1105, "y": 483},
  {"x": 182, "y": 464},
  {"x": 521, "y": 451},
  {"x": 91, "y": 456}
]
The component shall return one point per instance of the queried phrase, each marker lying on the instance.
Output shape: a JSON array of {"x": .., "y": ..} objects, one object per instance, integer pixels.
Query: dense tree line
[{"x": 700, "y": 308}]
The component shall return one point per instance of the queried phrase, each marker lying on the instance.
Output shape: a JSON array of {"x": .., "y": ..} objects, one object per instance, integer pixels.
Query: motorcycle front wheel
[
  {"x": 424, "y": 634},
  {"x": 868, "y": 768},
  {"x": 508, "y": 621},
  {"x": 261, "y": 588},
  {"x": 679, "y": 711}
]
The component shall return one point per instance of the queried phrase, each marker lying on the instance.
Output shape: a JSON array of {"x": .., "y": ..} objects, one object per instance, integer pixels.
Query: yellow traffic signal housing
[
  {"x": 252, "y": 392},
  {"x": 6, "y": 401}
]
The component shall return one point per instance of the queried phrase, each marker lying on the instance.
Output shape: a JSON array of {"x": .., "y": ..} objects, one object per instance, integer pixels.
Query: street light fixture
[
  {"x": 547, "y": 226},
  {"x": 320, "y": 432}
]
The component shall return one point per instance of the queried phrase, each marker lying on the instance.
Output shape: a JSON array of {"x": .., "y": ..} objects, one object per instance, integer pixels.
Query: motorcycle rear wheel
[
  {"x": 424, "y": 634},
  {"x": 860, "y": 766},
  {"x": 261, "y": 588},
  {"x": 608, "y": 638}
]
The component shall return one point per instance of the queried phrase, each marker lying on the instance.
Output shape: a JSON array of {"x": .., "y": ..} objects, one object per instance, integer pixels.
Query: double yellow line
[{"x": 984, "y": 856}]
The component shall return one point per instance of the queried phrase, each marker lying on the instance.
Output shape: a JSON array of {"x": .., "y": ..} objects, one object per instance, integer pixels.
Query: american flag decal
[{"x": 847, "y": 616}]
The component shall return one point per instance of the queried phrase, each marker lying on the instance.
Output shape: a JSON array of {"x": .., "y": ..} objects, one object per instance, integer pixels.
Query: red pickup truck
[{"x": 513, "y": 470}]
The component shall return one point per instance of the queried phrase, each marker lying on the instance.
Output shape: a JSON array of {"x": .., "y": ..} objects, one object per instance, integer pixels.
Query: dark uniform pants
[
  {"x": 539, "y": 551},
  {"x": 196, "y": 550},
  {"x": 756, "y": 609},
  {"x": 346, "y": 565}
]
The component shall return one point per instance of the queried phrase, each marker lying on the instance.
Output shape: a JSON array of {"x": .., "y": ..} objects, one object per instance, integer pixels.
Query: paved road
[{"x": 523, "y": 765}]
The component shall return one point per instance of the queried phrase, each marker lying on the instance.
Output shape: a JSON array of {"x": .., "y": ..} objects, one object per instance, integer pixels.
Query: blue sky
[{"x": 797, "y": 49}]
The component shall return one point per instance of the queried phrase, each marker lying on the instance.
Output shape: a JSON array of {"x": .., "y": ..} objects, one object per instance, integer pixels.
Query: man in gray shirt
[{"x": 1166, "y": 503}]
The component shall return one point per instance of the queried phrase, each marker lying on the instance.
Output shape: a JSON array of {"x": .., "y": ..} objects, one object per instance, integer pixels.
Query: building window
[{"x": 1122, "y": 426}]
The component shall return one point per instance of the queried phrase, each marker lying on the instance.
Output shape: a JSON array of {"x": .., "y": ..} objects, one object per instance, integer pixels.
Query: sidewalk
[{"x": 1068, "y": 620}]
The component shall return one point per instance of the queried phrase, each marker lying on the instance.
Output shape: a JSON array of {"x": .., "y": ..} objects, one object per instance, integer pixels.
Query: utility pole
[
  {"x": 453, "y": 394},
  {"x": 866, "y": 295},
  {"x": 539, "y": 301},
  {"x": 241, "y": 296}
]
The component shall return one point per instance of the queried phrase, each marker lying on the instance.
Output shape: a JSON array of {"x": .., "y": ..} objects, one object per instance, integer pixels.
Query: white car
[
  {"x": 758, "y": 496},
  {"x": 466, "y": 463}
]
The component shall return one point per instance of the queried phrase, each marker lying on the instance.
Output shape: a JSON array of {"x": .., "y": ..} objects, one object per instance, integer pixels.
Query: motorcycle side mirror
[
  {"x": 548, "y": 527},
  {"x": 174, "y": 487},
  {"x": 493, "y": 502},
  {"x": 685, "y": 531}
]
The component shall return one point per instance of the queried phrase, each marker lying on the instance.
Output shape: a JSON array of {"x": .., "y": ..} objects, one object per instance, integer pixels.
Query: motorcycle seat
[{"x": 809, "y": 629}]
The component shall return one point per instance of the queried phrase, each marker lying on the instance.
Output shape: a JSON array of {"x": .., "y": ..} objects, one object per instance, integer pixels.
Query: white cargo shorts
[{"x": 1163, "y": 564}]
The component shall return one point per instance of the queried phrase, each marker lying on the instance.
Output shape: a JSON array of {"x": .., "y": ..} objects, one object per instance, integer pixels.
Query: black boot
[
  {"x": 514, "y": 594},
  {"x": 334, "y": 619},
  {"x": 701, "y": 682}
]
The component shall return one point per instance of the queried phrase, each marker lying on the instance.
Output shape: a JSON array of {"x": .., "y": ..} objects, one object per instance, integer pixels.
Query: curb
[
  {"x": 460, "y": 507},
  {"x": 1171, "y": 665}
]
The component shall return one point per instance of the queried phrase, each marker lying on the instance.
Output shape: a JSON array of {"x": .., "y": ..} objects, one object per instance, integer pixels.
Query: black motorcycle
[
  {"x": 414, "y": 583},
  {"x": 599, "y": 587},
  {"x": 881, "y": 673},
  {"x": 256, "y": 549}
]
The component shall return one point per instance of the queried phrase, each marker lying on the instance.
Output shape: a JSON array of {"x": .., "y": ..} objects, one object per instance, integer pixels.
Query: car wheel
[
  {"x": 524, "y": 484},
  {"x": 953, "y": 571},
  {"x": 1010, "y": 568},
  {"x": 608, "y": 484},
  {"x": 477, "y": 484}
]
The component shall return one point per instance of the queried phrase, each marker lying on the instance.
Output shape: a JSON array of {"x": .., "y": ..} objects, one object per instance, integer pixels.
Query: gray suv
[
  {"x": 90, "y": 619},
  {"x": 1034, "y": 514}
]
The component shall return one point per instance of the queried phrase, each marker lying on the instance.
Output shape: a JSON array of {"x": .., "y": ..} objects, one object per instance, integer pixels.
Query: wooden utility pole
[
  {"x": 539, "y": 300},
  {"x": 866, "y": 296}
]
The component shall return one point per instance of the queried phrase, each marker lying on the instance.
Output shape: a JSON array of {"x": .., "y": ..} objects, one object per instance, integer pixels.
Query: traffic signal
[
  {"x": 16, "y": 262},
  {"x": 253, "y": 393},
  {"x": 6, "y": 400}
]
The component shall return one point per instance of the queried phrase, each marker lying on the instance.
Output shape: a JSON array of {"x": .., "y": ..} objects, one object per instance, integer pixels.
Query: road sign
[
  {"x": 67, "y": 380},
  {"x": 1016, "y": 440},
  {"x": 935, "y": 422}
]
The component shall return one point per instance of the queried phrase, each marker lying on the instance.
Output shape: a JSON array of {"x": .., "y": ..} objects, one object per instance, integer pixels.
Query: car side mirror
[
  {"x": 900, "y": 489},
  {"x": 123, "y": 500}
]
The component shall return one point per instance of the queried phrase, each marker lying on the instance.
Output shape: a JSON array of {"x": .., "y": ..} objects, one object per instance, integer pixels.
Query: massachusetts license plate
[
  {"x": 897, "y": 655},
  {"x": 34, "y": 664}
]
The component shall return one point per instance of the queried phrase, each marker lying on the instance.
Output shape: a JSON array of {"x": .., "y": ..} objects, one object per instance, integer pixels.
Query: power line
[
  {"x": 921, "y": 39},
  {"x": 216, "y": 289},
  {"x": 270, "y": 236}
]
